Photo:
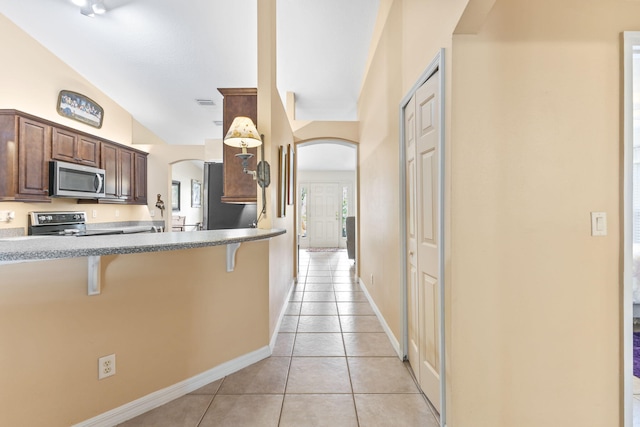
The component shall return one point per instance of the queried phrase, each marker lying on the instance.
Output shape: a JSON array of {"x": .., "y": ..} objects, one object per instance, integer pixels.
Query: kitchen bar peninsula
[
  {"x": 168, "y": 309},
  {"x": 28, "y": 248}
]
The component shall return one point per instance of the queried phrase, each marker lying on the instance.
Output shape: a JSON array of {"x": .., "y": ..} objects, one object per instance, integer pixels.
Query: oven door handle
[{"x": 100, "y": 183}]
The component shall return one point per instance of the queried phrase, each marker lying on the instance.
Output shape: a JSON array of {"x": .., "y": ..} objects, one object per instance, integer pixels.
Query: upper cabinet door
[
  {"x": 88, "y": 151},
  {"x": 140, "y": 184},
  {"x": 63, "y": 145},
  {"x": 34, "y": 153},
  {"x": 118, "y": 163},
  {"x": 74, "y": 148},
  {"x": 110, "y": 164},
  {"x": 126, "y": 175}
]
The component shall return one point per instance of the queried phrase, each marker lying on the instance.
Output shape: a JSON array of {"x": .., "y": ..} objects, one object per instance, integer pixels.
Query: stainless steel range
[{"x": 63, "y": 224}]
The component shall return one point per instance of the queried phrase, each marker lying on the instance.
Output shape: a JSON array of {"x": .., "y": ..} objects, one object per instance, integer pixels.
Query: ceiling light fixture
[
  {"x": 90, "y": 8},
  {"x": 98, "y": 7}
]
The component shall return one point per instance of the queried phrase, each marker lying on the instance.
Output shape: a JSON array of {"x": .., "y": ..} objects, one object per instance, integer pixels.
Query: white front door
[
  {"x": 423, "y": 294},
  {"x": 323, "y": 222}
]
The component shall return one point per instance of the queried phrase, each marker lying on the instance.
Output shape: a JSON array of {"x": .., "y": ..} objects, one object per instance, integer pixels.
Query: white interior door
[
  {"x": 412, "y": 238},
  {"x": 323, "y": 223},
  {"x": 422, "y": 116}
]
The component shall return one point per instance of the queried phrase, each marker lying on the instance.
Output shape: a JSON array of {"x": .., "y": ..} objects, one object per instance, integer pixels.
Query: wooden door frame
[
  {"x": 437, "y": 64},
  {"x": 630, "y": 39}
]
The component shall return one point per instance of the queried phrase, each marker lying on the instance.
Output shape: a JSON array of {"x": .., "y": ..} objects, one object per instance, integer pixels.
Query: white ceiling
[{"x": 156, "y": 57}]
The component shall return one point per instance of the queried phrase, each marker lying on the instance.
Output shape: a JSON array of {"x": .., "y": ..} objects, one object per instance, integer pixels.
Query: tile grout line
[
  {"x": 206, "y": 410},
  {"x": 204, "y": 414},
  {"x": 346, "y": 358},
  {"x": 295, "y": 336}
]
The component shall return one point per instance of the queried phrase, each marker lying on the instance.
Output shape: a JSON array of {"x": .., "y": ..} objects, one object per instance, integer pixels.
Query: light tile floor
[{"x": 332, "y": 366}]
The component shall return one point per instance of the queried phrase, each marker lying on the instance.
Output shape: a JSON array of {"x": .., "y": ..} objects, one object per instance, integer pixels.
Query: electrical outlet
[
  {"x": 152, "y": 213},
  {"x": 7, "y": 216},
  {"x": 371, "y": 279},
  {"x": 117, "y": 213},
  {"x": 94, "y": 213},
  {"x": 106, "y": 366}
]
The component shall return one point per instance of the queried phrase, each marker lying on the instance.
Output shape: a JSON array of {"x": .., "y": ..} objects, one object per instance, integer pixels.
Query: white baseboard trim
[
  {"x": 166, "y": 395},
  {"x": 394, "y": 341},
  {"x": 160, "y": 397},
  {"x": 274, "y": 336}
]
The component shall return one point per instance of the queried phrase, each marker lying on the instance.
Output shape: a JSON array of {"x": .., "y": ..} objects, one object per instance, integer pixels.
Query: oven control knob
[
  {"x": 76, "y": 216},
  {"x": 49, "y": 217},
  {"x": 42, "y": 218}
]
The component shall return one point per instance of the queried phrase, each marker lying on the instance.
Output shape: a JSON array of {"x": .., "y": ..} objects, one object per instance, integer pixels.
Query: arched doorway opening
[
  {"x": 327, "y": 194},
  {"x": 185, "y": 203}
]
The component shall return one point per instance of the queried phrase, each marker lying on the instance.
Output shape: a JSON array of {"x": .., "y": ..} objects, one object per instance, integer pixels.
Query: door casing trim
[
  {"x": 437, "y": 64},
  {"x": 630, "y": 39}
]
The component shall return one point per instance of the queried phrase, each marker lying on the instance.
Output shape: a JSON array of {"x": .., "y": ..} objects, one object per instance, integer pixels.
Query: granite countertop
[{"x": 27, "y": 248}]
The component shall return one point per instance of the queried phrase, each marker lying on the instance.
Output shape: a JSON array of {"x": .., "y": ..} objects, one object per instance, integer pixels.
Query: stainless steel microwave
[{"x": 75, "y": 181}]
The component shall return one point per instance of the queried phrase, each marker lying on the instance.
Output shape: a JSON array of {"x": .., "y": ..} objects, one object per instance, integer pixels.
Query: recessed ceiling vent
[{"x": 205, "y": 102}]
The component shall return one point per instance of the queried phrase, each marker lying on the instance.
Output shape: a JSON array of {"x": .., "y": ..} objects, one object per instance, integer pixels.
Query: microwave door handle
[{"x": 99, "y": 187}]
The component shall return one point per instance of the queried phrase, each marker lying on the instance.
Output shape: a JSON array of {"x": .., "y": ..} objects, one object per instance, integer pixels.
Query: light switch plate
[{"x": 598, "y": 223}]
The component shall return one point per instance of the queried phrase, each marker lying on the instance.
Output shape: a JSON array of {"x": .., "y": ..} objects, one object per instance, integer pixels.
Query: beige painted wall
[
  {"x": 379, "y": 251},
  {"x": 533, "y": 145},
  {"x": 537, "y": 147},
  {"x": 31, "y": 84},
  {"x": 167, "y": 316},
  {"x": 274, "y": 124},
  {"x": 282, "y": 256},
  {"x": 35, "y": 77}
]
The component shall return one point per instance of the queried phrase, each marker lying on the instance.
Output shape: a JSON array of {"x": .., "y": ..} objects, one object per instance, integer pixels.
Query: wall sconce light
[{"x": 243, "y": 134}]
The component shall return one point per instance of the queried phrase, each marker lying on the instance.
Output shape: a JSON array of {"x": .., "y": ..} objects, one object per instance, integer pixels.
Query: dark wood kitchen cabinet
[
  {"x": 238, "y": 187},
  {"x": 140, "y": 178},
  {"x": 28, "y": 143},
  {"x": 25, "y": 151},
  {"x": 34, "y": 153},
  {"x": 125, "y": 174},
  {"x": 74, "y": 148},
  {"x": 118, "y": 163}
]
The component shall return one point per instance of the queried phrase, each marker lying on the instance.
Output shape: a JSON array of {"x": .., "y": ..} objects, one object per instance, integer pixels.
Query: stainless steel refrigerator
[{"x": 218, "y": 215}]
